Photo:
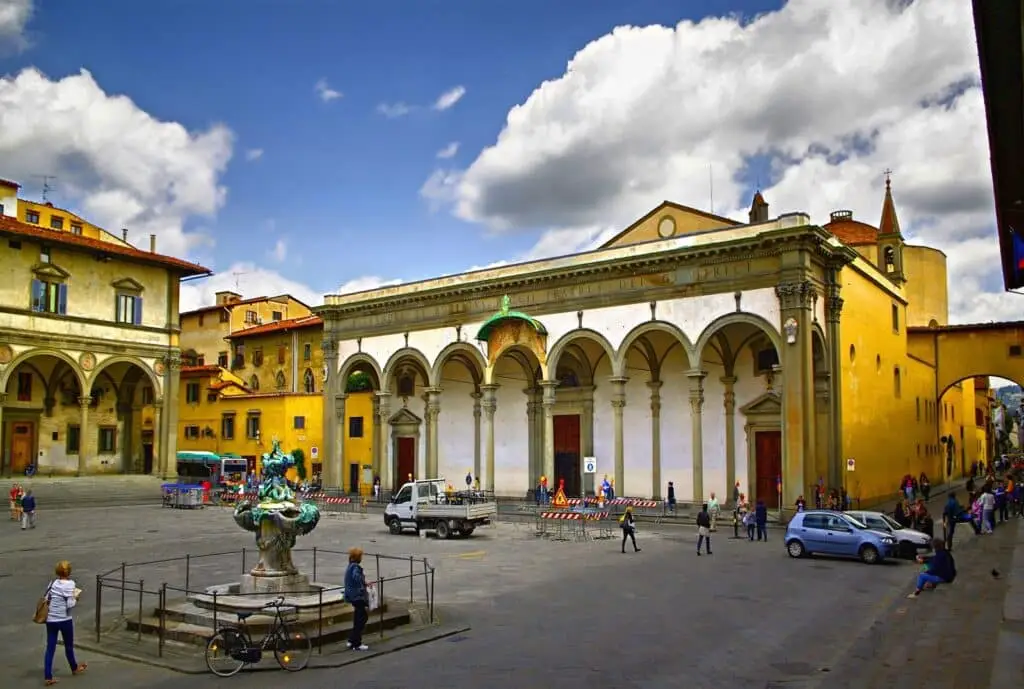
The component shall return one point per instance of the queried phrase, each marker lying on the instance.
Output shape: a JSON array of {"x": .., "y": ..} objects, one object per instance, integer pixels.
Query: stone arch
[
  {"x": 38, "y": 352},
  {"x": 467, "y": 355},
  {"x": 740, "y": 317},
  {"x": 636, "y": 333},
  {"x": 308, "y": 381},
  {"x": 819, "y": 349},
  {"x": 407, "y": 355},
  {"x": 131, "y": 361},
  {"x": 532, "y": 365},
  {"x": 359, "y": 362},
  {"x": 571, "y": 337}
]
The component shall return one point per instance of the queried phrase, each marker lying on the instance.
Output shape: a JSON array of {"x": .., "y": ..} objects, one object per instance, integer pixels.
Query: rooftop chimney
[
  {"x": 124, "y": 234},
  {"x": 840, "y": 216},
  {"x": 152, "y": 243}
]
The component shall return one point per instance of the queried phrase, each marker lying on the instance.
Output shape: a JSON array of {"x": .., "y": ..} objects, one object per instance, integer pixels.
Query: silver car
[{"x": 910, "y": 542}]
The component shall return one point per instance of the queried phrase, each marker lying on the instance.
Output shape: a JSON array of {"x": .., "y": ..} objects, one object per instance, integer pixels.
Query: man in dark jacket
[
  {"x": 939, "y": 569},
  {"x": 950, "y": 516},
  {"x": 704, "y": 529},
  {"x": 761, "y": 519},
  {"x": 28, "y": 511}
]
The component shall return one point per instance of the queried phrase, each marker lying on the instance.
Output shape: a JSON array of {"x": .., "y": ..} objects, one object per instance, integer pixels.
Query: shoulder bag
[{"x": 43, "y": 606}]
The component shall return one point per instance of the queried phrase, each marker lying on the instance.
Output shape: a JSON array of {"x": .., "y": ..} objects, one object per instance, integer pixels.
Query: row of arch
[
  {"x": 67, "y": 365},
  {"x": 281, "y": 382},
  {"x": 572, "y": 345}
]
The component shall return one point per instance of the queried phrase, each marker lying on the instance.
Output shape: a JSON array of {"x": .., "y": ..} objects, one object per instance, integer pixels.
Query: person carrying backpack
[{"x": 939, "y": 569}]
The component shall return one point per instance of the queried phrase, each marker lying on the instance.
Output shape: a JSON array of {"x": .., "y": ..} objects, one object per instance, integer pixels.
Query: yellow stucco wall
[
  {"x": 284, "y": 353},
  {"x": 204, "y": 330},
  {"x": 53, "y": 218},
  {"x": 204, "y": 333},
  {"x": 359, "y": 450},
  {"x": 686, "y": 222},
  {"x": 265, "y": 311},
  {"x": 977, "y": 351},
  {"x": 926, "y": 289}
]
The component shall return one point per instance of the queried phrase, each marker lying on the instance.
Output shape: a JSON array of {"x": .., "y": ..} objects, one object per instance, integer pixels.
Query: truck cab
[{"x": 429, "y": 505}]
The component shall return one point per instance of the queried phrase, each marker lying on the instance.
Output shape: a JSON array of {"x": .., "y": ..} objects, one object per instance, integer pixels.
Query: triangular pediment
[
  {"x": 127, "y": 285},
  {"x": 404, "y": 417},
  {"x": 666, "y": 221},
  {"x": 767, "y": 404},
  {"x": 49, "y": 271}
]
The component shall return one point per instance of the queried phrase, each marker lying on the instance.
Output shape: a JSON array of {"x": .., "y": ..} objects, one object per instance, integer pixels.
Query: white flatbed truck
[{"x": 426, "y": 506}]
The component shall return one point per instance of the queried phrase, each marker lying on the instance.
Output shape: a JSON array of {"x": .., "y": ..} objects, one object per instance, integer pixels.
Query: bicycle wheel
[
  {"x": 293, "y": 649},
  {"x": 223, "y": 652}
]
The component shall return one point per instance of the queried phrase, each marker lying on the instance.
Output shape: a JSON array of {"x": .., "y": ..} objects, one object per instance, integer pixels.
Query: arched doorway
[
  {"x": 741, "y": 353},
  {"x": 458, "y": 374},
  {"x": 41, "y": 420},
  {"x": 407, "y": 378},
  {"x": 971, "y": 425},
  {"x": 357, "y": 411},
  {"x": 582, "y": 362},
  {"x": 124, "y": 393},
  {"x": 654, "y": 362},
  {"x": 517, "y": 423}
]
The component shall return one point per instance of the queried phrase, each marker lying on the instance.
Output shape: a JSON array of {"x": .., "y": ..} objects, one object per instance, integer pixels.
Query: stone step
[
  {"x": 199, "y": 634},
  {"x": 89, "y": 491},
  {"x": 188, "y": 613}
]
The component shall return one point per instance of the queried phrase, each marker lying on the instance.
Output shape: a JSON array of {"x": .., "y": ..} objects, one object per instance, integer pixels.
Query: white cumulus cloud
[
  {"x": 116, "y": 164},
  {"x": 280, "y": 251},
  {"x": 449, "y": 98},
  {"x": 817, "y": 99},
  {"x": 324, "y": 92},
  {"x": 448, "y": 151},
  {"x": 14, "y": 18},
  {"x": 394, "y": 111},
  {"x": 253, "y": 154}
]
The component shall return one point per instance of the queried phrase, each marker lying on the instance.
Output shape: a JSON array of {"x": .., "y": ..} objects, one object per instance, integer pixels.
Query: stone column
[
  {"x": 337, "y": 473},
  {"x": 490, "y": 405},
  {"x": 433, "y": 396},
  {"x": 618, "y": 405},
  {"x": 833, "y": 311},
  {"x": 796, "y": 300},
  {"x": 531, "y": 436},
  {"x": 655, "y": 388},
  {"x": 375, "y": 444},
  {"x": 476, "y": 434},
  {"x": 548, "y": 402},
  {"x": 3, "y": 458},
  {"x": 334, "y": 431},
  {"x": 384, "y": 439},
  {"x": 697, "y": 431},
  {"x": 84, "y": 434},
  {"x": 158, "y": 433},
  {"x": 172, "y": 380},
  {"x": 587, "y": 433},
  {"x": 730, "y": 435}
]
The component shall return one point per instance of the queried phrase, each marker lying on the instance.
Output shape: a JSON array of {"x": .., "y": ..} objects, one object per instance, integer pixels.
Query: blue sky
[{"x": 335, "y": 174}]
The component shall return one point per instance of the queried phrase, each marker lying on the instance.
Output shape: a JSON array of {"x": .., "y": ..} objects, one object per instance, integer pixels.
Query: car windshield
[
  {"x": 855, "y": 522},
  {"x": 893, "y": 524}
]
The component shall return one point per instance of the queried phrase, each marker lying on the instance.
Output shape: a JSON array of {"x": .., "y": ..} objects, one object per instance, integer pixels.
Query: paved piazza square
[{"x": 580, "y": 612}]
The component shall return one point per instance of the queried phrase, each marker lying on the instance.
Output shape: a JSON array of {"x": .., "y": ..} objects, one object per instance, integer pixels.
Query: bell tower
[
  {"x": 890, "y": 239},
  {"x": 758, "y": 209}
]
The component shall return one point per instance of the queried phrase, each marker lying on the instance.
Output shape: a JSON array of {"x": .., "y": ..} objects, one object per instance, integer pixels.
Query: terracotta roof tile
[
  {"x": 214, "y": 307},
  {"x": 889, "y": 224},
  {"x": 851, "y": 232},
  {"x": 9, "y": 183},
  {"x": 10, "y": 226},
  {"x": 278, "y": 327},
  {"x": 199, "y": 370}
]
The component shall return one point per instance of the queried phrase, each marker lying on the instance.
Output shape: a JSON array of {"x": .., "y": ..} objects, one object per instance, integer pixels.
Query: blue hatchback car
[{"x": 837, "y": 534}]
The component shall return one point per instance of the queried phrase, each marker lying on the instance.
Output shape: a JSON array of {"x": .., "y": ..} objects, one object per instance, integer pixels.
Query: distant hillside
[{"x": 1010, "y": 396}]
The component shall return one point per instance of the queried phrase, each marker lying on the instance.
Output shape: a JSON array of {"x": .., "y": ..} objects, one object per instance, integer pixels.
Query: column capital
[
  {"x": 433, "y": 390},
  {"x": 618, "y": 380},
  {"x": 618, "y": 405},
  {"x": 833, "y": 308},
  {"x": 84, "y": 401},
  {"x": 655, "y": 386},
  {"x": 796, "y": 294},
  {"x": 341, "y": 396},
  {"x": 476, "y": 397},
  {"x": 329, "y": 348},
  {"x": 696, "y": 375},
  {"x": 728, "y": 381},
  {"x": 3, "y": 398}
]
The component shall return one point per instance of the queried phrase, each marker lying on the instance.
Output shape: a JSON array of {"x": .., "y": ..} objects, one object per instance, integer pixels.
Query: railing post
[
  {"x": 380, "y": 602},
  {"x": 432, "y": 575},
  {"x": 314, "y": 571},
  {"x": 410, "y": 577},
  {"x": 426, "y": 581},
  {"x": 99, "y": 605},
  {"x": 215, "y": 630},
  {"x": 163, "y": 619},
  {"x": 123, "y": 566},
  {"x": 320, "y": 621},
  {"x": 377, "y": 556},
  {"x": 243, "y": 560},
  {"x": 141, "y": 587},
  {"x": 188, "y": 568}
]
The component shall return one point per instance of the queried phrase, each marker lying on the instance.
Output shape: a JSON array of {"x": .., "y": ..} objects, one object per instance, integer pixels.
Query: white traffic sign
[
  {"x": 590, "y": 465},
  {"x": 314, "y": 452},
  {"x": 851, "y": 464}
]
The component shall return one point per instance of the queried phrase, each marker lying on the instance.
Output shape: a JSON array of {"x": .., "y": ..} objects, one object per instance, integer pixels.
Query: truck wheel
[
  {"x": 395, "y": 526},
  {"x": 442, "y": 529},
  {"x": 467, "y": 531}
]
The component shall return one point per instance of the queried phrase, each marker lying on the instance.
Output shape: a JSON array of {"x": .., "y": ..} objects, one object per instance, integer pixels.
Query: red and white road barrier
[{"x": 570, "y": 516}]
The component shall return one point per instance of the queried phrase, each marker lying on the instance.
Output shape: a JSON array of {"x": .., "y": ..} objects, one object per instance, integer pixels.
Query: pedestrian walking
[
  {"x": 988, "y": 510},
  {"x": 61, "y": 596},
  {"x": 628, "y": 524},
  {"x": 761, "y": 519},
  {"x": 357, "y": 595},
  {"x": 15, "y": 490},
  {"x": 28, "y": 511},
  {"x": 671, "y": 497},
  {"x": 714, "y": 510},
  {"x": 704, "y": 530}
]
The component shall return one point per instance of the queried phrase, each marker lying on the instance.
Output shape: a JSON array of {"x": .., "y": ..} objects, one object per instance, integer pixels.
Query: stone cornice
[{"x": 766, "y": 244}]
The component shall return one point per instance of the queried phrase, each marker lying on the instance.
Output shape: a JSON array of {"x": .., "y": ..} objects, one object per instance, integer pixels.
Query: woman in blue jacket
[
  {"x": 939, "y": 569},
  {"x": 358, "y": 597}
]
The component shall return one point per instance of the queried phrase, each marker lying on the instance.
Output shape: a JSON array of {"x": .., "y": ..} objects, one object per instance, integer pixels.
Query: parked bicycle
[
  {"x": 30, "y": 470},
  {"x": 231, "y": 648}
]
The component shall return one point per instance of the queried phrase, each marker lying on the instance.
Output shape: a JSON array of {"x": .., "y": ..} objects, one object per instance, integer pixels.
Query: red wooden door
[
  {"x": 768, "y": 455},
  {"x": 21, "y": 446},
  {"x": 567, "y": 453},
  {"x": 406, "y": 461}
]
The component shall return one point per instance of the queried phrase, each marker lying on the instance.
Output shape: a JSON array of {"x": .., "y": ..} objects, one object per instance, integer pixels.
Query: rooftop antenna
[
  {"x": 236, "y": 275},
  {"x": 711, "y": 188},
  {"x": 47, "y": 187}
]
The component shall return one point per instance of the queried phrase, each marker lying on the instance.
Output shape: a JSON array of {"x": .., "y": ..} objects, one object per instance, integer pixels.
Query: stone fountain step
[
  {"x": 195, "y": 629},
  {"x": 189, "y": 613}
]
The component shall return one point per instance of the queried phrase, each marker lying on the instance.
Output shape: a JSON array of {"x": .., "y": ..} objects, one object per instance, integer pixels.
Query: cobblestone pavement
[{"x": 541, "y": 612}]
